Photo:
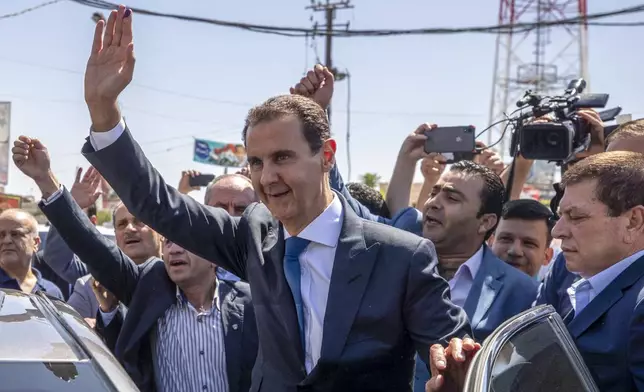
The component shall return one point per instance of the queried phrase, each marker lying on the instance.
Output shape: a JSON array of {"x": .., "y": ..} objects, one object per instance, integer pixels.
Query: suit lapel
[
  {"x": 273, "y": 249},
  {"x": 352, "y": 268},
  {"x": 160, "y": 301},
  {"x": 487, "y": 285},
  {"x": 607, "y": 298},
  {"x": 231, "y": 319}
]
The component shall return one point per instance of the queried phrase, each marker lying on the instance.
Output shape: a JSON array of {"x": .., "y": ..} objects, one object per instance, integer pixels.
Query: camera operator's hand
[
  {"x": 317, "y": 85},
  {"x": 413, "y": 148},
  {"x": 489, "y": 159},
  {"x": 596, "y": 129}
]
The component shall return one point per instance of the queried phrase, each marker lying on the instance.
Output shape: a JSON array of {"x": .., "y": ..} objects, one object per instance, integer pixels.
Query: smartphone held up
[{"x": 455, "y": 143}]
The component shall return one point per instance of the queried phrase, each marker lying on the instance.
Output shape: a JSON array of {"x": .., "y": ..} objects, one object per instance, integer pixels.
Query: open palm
[
  {"x": 87, "y": 190},
  {"x": 111, "y": 64}
]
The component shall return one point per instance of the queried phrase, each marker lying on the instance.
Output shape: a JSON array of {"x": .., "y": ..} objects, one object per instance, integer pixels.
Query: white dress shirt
[
  {"x": 316, "y": 264},
  {"x": 582, "y": 293},
  {"x": 100, "y": 140},
  {"x": 463, "y": 279}
]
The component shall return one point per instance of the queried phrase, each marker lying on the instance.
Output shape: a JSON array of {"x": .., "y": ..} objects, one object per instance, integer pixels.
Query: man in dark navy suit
[
  {"x": 601, "y": 228},
  {"x": 341, "y": 303}
]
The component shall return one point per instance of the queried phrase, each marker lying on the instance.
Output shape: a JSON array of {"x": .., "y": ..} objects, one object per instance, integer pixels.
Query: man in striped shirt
[{"x": 185, "y": 330}]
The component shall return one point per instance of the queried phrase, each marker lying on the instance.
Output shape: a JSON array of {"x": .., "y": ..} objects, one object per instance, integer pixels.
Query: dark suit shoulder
[{"x": 391, "y": 236}]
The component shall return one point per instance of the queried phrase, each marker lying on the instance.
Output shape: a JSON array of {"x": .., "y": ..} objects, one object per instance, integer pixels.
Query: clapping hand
[
  {"x": 88, "y": 189},
  {"x": 110, "y": 69},
  {"x": 317, "y": 85}
]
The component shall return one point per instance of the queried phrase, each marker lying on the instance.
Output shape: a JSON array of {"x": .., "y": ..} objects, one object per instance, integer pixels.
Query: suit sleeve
[
  {"x": 408, "y": 219},
  {"x": 79, "y": 300},
  {"x": 547, "y": 291},
  {"x": 61, "y": 259},
  {"x": 206, "y": 231},
  {"x": 110, "y": 332},
  {"x": 430, "y": 316},
  {"x": 105, "y": 261},
  {"x": 636, "y": 345},
  {"x": 363, "y": 212}
]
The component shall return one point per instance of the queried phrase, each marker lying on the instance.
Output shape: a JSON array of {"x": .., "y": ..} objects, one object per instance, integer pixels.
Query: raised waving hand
[{"x": 109, "y": 69}]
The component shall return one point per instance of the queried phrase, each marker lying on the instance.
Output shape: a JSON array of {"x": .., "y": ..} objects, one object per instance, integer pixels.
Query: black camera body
[{"x": 567, "y": 134}]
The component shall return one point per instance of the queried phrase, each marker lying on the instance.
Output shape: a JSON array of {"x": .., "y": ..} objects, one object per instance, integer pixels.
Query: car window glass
[{"x": 535, "y": 360}]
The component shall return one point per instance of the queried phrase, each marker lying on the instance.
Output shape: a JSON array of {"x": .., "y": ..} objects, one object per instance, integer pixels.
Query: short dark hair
[
  {"x": 530, "y": 210},
  {"x": 370, "y": 198},
  {"x": 627, "y": 130},
  {"x": 315, "y": 124},
  {"x": 492, "y": 193},
  {"x": 92, "y": 210},
  {"x": 619, "y": 176}
]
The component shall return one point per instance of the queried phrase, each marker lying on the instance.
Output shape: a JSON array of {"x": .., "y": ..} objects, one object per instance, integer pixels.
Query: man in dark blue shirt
[{"x": 19, "y": 242}]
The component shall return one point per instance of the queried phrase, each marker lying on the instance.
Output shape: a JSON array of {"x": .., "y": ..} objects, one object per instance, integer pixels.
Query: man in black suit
[
  {"x": 341, "y": 303},
  {"x": 184, "y": 329}
]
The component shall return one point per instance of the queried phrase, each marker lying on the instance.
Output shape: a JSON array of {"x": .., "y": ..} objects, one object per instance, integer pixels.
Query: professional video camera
[{"x": 567, "y": 134}]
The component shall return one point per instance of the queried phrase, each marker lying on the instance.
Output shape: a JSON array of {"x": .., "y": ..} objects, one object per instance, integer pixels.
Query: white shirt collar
[
  {"x": 472, "y": 264},
  {"x": 325, "y": 229}
]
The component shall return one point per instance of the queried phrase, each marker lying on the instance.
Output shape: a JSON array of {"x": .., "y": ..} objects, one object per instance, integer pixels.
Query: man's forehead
[
  {"x": 459, "y": 181},
  {"x": 122, "y": 212},
  {"x": 18, "y": 219}
]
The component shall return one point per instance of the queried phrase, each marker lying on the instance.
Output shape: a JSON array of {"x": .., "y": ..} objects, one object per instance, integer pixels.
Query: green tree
[
  {"x": 103, "y": 216},
  {"x": 370, "y": 179}
]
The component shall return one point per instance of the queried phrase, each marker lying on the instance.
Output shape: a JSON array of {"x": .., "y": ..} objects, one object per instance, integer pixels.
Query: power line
[
  {"x": 303, "y": 32},
  {"x": 30, "y": 9},
  {"x": 233, "y": 103}
]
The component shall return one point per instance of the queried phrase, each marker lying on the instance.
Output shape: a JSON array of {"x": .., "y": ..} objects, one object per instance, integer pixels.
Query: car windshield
[{"x": 51, "y": 376}]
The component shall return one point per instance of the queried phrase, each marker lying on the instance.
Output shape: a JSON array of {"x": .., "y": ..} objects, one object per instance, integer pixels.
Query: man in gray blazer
[{"x": 341, "y": 303}]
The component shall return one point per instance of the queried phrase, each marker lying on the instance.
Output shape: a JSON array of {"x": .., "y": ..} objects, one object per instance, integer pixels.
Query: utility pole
[{"x": 329, "y": 9}]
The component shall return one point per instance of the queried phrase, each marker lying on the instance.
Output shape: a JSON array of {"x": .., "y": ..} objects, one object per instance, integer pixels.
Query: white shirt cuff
[
  {"x": 100, "y": 140},
  {"x": 53, "y": 197},
  {"x": 107, "y": 317}
]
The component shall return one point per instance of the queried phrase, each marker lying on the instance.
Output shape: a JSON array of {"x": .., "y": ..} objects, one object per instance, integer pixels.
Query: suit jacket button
[{"x": 235, "y": 327}]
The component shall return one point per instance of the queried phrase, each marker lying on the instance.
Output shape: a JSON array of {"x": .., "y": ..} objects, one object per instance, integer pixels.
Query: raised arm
[
  {"x": 206, "y": 231},
  {"x": 104, "y": 259}
]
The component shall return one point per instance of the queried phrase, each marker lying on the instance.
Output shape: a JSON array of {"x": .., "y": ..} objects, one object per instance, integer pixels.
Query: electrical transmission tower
[{"x": 543, "y": 59}]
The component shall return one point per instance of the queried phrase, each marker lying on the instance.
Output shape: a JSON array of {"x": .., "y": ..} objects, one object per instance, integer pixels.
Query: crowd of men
[{"x": 287, "y": 279}]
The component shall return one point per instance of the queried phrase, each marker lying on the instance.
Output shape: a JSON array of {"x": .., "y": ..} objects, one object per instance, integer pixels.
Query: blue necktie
[{"x": 294, "y": 248}]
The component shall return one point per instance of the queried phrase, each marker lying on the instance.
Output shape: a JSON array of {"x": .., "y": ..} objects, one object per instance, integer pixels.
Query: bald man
[
  {"x": 232, "y": 192},
  {"x": 19, "y": 242}
]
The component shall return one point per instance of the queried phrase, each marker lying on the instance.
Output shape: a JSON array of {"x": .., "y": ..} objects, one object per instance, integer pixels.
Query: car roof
[
  {"x": 35, "y": 328},
  {"x": 21, "y": 315}
]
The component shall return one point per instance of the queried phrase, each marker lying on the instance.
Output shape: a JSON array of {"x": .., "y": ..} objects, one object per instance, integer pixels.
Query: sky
[{"x": 198, "y": 80}]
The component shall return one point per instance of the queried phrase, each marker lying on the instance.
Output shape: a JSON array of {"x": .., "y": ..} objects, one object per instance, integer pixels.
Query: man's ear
[
  {"x": 94, "y": 219},
  {"x": 328, "y": 154}
]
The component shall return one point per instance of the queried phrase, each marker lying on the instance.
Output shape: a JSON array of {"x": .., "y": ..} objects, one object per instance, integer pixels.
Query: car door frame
[{"x": 479, "y": 374}]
